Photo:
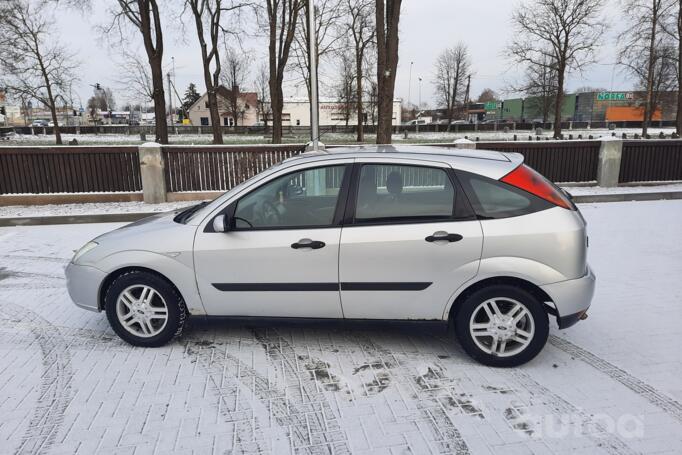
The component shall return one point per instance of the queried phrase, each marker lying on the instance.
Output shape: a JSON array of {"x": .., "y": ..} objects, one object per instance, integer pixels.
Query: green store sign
[{"x": 614, "y": 96}]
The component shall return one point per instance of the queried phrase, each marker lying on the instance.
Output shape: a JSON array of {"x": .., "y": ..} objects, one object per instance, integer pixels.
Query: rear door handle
[
  {"x": 307, "y": 243},
  {"x": 442, "y": 236}
]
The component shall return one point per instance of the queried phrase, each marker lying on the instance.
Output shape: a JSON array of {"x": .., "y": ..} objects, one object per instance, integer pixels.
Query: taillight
[{"x": 529, "y": 180}]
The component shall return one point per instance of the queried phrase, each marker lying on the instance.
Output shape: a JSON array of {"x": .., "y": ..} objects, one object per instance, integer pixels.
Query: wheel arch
[
  {"x": 112, "y": 276},
  {"x": 526, "y": 285}
]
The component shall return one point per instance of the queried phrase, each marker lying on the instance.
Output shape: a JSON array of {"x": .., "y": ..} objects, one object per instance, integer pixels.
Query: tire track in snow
[
  {"x": 55, "y": 383},
  {"x": 324, "y": 433},
  {"x": 598, "y": 434},
  {"x": 446, "y": 433},
  {"x": 641, "y": 388}
]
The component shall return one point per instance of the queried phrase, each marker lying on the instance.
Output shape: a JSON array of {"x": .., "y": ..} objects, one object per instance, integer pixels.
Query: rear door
[{"x": 409, "y": 240}]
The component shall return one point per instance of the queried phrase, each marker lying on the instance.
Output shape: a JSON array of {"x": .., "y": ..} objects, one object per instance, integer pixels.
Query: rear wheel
[
  {"x": 144, "y": 309},
  {"x": 502, "y": 326}
]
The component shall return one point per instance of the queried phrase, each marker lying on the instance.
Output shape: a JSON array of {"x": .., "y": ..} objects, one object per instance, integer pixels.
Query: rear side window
[
  {"x": 399, "y": 193},
  {"x": 492, "y": 199}
]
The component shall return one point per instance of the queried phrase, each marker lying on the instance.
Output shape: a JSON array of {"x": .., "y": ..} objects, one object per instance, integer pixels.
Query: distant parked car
[
  {"x": 458, "y": 122},
  {"x": 40, "y": 124},
  {"x": 418, "y": 121}
]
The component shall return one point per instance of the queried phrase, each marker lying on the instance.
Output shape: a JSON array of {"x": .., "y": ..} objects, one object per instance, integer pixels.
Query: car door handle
[
  {"x": 443, "y": 236},
  {"x": 307, "y": 243}
]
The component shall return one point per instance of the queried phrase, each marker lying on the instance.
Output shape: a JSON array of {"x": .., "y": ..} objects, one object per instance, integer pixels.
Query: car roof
[{"x": 490, "y": 163}]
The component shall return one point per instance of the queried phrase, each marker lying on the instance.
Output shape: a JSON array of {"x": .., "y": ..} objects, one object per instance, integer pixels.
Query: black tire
[
  {"x": 535, "y": 309},
  {"x": 176, "y": 309}
]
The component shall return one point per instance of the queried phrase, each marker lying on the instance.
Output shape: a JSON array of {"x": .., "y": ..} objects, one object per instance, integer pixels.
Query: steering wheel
[{"x": 269, "y": 214}]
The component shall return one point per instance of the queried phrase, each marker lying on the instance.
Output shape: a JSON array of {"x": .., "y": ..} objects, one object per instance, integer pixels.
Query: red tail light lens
[{"x": 529, "y": 180}]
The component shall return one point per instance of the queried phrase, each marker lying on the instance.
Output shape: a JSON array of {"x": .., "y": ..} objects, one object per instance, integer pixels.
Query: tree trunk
[
  {"x": 679, "y": 69},
  {"x": 216, "y": 127},
  {"x": 650, "y": 70},
  {"x": 159, "y": 100},
  {"x": 276, "y": 106},
  {"x": 387, "y": 18},
  {"x": 358, "y": 94},
  {"x": 559, "y": 101}
]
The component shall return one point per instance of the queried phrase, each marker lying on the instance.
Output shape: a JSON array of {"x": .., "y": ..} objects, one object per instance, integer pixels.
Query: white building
[{"x": 296, "y": 112}]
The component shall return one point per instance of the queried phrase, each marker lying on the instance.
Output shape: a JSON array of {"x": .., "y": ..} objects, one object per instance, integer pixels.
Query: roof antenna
[{"x": 314, "y": 144}]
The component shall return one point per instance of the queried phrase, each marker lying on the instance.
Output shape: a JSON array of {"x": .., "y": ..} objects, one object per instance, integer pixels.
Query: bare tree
[
  {"x": 233, "y": 78},
  {"x": 387, "y": 19},
  {"x": 328, "y": 33},
  {"x": 282, "y": 20},
  {"x": 33, "y": 64},
  {"x": 210, "y": 27},
  {"x": 487, "y": 95},
  {"x": 263, "y": 93},
  {"x": 452, "y": 68},
  {"x": 135, "y": 76},
  {"x": 644, "y": 48},
  {"x": 540, "y": 86},
  {"x": 145, "y": 16},
  {"x": 362, "y": 30},
  {"x": 678, "y": 34},
  {"x": 345, "y": 88},
  {"x": 563, "y": 34}
]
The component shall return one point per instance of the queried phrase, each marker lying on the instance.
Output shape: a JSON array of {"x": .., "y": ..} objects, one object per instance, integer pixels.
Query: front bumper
[
  {"x": 83, "y": 283},
  {"x": 571, "y": 298}
]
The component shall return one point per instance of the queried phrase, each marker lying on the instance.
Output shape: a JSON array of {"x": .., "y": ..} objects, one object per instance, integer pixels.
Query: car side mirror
[{"x": 221, "y": 223}]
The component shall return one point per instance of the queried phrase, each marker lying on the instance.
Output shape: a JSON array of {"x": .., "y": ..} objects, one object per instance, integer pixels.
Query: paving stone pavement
[{"x": 610, "y": 385}]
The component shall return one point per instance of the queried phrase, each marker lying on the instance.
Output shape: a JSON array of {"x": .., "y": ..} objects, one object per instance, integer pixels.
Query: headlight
[{"x": 84, "y": 249}]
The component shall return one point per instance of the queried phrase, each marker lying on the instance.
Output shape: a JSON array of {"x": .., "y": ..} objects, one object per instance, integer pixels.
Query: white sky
[{"x": 427, "y": 27}]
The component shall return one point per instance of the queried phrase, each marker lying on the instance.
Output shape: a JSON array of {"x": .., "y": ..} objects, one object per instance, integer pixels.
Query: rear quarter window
[{"x": 492, "y": 199}]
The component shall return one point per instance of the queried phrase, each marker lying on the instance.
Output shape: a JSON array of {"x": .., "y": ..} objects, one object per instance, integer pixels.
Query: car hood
[{"x": 154, "y": 234}]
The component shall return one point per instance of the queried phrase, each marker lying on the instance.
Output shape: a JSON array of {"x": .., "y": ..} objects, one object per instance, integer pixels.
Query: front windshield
[{"x": 217, "y": 202}]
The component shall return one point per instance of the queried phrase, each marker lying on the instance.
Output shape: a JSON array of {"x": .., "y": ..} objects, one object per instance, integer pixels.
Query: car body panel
[
  {"x": 545, "y": 248},
  {"x": 554, "y": 237},
  {"x": 400, "y": 254},
  {"x": 266, "y": 258}
]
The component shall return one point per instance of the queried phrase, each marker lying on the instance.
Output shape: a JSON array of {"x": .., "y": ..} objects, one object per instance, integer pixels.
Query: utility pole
[
  {"x": 466, "y": 95},
  {"x": 170, "y": 101},
  {"x": 314, "y": 101},
  {"x": 420, "y": 94},
  {"x": 409, "y": 87}
]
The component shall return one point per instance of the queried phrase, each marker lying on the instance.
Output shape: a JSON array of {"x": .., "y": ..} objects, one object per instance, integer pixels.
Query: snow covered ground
[
  {"x": 327, "y": 138},
  {"x": 609, "y": 385}
]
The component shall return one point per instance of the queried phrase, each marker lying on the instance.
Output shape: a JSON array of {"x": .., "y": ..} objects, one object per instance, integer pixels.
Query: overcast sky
[{"x": 426, "y": 28}]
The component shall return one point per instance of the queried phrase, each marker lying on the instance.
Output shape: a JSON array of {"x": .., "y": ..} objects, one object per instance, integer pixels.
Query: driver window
[{"x": 300, "y": 199}]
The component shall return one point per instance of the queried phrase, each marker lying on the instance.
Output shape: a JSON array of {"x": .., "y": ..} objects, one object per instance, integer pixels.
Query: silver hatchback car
[{"x": 474, "y": 238}]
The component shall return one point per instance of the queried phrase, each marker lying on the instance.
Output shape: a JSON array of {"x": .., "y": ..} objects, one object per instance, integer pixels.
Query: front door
[
  {"x": 411, "y": 242},
  {"x": 280, "y": 258}
]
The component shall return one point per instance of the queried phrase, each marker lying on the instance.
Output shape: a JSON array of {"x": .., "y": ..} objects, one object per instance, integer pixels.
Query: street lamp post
[
  {"x": 314, "y": 101},
  {"x": 409, "y": 87}
]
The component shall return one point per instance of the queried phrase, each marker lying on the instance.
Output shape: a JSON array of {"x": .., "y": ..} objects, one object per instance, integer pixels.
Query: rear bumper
[
  {"x": 83, "y": 283},
  {"x": 571, "y": 298}
]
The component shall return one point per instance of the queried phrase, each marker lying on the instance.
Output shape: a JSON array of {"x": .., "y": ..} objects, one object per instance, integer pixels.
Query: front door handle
[
  {"x": 307, "y": 243},
  {"x": 443, "y": 236}
]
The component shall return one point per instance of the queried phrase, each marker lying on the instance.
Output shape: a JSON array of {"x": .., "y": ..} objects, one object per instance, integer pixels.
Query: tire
[
  {"x": 138, "y": 318},
  {"x": 514, "y": 342}
]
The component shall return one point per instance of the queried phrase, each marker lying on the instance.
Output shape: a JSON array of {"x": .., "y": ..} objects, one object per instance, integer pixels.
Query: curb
[{"x": 129, "y": 217}]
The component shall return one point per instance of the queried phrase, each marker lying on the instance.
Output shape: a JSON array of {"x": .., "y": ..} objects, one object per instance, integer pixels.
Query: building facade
[
  {"x": 585, "y": 107},
  {"x": 296, "y": 112},
  {"x": 245, "y": 114}
]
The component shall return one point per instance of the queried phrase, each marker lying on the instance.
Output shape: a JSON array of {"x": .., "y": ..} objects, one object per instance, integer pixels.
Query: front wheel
[
  {"x": 502, "y": 326},
  {"x": 144, "y": 309}
]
